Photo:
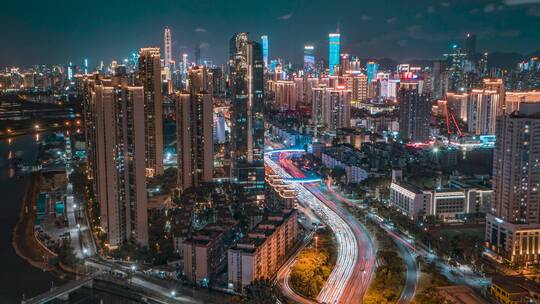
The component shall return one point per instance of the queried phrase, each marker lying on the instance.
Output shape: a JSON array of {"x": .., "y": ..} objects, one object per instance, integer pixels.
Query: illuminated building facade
[
  {"x": 309, "y": 59},
  {"x": 167, "y": 43},
  {"x": 118, "y": 149},
  {"x": 264, "y": 41},
  {"x": 194, "y": 131},
  {"x": 333, "y": 51},
  {"x": 414, "y": 112},
  {"x": 513, "y": 227},
  {"x": 150, "y": 78},
  {"x": 246, "y": 68},
  {"x": 371, "y": 70}
]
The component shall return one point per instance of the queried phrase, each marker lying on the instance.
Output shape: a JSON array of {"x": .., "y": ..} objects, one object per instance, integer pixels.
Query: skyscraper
[
  {"x": 513, "y": 227},
  {"x": 167, "y": 44},
  {"x": 150, "y": 78},
  {"x": 118, "y": 145},
  {"x": 247, "y": 121},
  {"x": 371, "y": 70},
  {"x": 414, "y": 112},
  {"x": 309, "y": 59},
  {"x": 264, "y": 41},
  {"x": 194, "y": 129},
  {"x": 333, "y": 51},
  {"x": 470, "y": 44},
  {"x": 344, "y": 63}
]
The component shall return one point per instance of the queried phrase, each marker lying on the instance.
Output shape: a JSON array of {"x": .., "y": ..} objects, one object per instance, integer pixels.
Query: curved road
[
  {"x": 352, "y": 274},
  {"x": 406, "y": 251}
]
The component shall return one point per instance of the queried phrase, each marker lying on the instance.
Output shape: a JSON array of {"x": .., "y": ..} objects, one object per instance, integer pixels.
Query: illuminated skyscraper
[
  {"x": 194, "y": 129},
  {"x": 116, "y": 145},
  {"x": 246, "y": 68},
  {"x": 333, "y": 51},
  {"x": 344, "y": 63},
  {"x": 167, "y": 46},
  {"x": 513, "y": 226},
  {"x": 264, "y": 40},
  {"x": 85, "y": 66},
  {"x": 414, "y": 112},
  {"x": 150, "y": 78},
  {"x": 371, "y": 70},
  {"x": 309, "y": 59}
]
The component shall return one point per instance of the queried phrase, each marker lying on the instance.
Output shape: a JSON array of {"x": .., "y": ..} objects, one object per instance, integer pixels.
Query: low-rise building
[
  {"x": 446, "y": 204},
  {"x": 512, "y": 290},
  {"x": 279, "y": 195},
  {"x": 265, "y": 248},
  {"x": 204, "y": 255},
  {"x": 348, "y": 159}
]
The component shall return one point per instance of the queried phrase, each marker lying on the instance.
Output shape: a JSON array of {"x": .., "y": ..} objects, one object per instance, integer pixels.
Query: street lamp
[{"x": 173, "y": 293}]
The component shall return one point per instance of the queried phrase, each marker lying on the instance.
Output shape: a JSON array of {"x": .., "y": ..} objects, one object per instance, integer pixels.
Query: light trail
[{"x": 347, "y": 244}]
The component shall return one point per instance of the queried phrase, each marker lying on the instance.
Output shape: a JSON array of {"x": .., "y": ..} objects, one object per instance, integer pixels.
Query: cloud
[
  {"x": 391, "y": 20},
  {"x": 419, "y": 16},
  {"x": 365, "y": 18},
  {"x": 402, "y": 42},
  {"x": 431, "y": 10},
  {"x": 520, "y": 2},
  {"x": 445, "y": 4},
  {"x": 204, "y": 45},
  {"x": 286, "y": 17},
  {"x": 490, "y": 8},
  {"x": 201, "y": 30},
  {"x": 474, "y": 11}
]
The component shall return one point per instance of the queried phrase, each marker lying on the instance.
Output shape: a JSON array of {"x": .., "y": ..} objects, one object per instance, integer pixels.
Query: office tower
[
  {"x": 344, "y": 64},
  {"x": 309, "y": 59},
  {"x": 167, "y": 44},
  {"x": 247, "y": 121},
  {"x": 414, "y": 112},
  {"x": 218, "y": 82},
  {"x": 513, "y": 227},
  {"x": 264, "y": 41},
  {"x": 470, "y": 45},
  {"x": 286, "y": 95},
  {"x": 333, "y": 51},
  {"x": 198, "y": 54},
  {"x": 70, "y": 71},
  {"x": 194, "y": 131},
  {"x": 371, "y": 70},
  {"x": 150, "y": 78},
  {"x": 118, "y": 145}
]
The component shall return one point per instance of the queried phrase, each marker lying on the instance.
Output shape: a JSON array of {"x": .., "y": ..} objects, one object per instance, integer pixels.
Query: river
[{"x": 17, "y": 277}]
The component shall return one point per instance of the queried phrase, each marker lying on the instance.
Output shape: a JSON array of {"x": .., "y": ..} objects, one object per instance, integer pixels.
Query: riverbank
[{"x": 24, "y": 240}]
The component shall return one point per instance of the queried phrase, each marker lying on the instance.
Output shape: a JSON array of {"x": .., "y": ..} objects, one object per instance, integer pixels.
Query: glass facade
[{"x": 333, "y": 51}]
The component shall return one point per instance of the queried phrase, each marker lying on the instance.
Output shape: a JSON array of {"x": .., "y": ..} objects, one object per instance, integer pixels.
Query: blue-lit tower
[
  {"x": 333, "y": 51},
  {"x": 264, "y": 42},
  {"x": 372, "y": 68}
]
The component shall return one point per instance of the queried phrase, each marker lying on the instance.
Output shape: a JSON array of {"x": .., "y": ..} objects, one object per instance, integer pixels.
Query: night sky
[{"x": 57, "y": 31}]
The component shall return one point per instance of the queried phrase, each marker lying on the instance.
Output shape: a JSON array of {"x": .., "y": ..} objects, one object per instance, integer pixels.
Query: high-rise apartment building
[
  {"x": 246, "y": 71},
  {"x": 333, "y": 51},
  {"x": 118, "y": 148},
  {"x": 414, "y": 112},
  {"x": 194, "y": 129},
  {"x": 513, "y": 227},
  {"x": 150, "y": 78},
  {"x": 286, "y": 94},
  {"x": 331, "y": 107}
]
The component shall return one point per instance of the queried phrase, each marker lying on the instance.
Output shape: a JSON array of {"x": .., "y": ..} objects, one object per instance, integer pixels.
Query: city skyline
[{"x": 415, "y": 30}]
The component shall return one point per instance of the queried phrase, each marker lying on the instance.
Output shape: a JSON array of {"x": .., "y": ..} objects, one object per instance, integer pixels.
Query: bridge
[
  {"x": 293, "y": 180},
  {"x": 62, "y": 292}
]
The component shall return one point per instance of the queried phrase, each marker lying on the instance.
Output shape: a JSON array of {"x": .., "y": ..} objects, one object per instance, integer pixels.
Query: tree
[{"x": 261, "y": 291}]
